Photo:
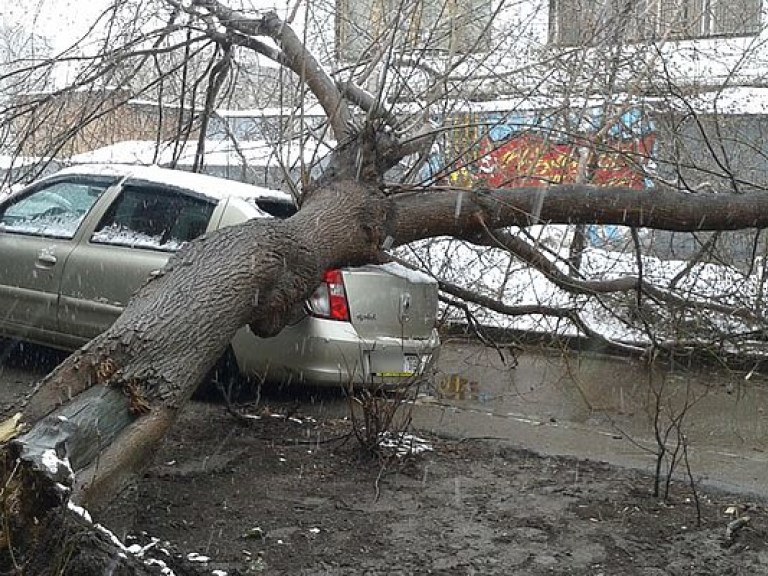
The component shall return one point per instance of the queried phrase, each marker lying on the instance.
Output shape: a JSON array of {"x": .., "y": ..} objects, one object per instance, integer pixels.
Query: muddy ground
[
  {"x": 296, "y": 496},
  {"x": 285, "y": 493}
]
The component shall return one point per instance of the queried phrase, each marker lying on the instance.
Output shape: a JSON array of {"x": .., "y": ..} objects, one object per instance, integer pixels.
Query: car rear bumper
[{"x": 331, "y": 353}]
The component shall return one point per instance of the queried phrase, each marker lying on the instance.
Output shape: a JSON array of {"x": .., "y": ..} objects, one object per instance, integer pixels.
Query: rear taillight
[{"x": 330, "y": 298}]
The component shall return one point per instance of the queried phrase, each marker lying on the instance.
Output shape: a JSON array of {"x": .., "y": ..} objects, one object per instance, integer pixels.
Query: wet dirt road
[
  {"x": 604, "y": 409},
  {"x": 591, "y": 407},
  {"x": 20, "y": 368}
]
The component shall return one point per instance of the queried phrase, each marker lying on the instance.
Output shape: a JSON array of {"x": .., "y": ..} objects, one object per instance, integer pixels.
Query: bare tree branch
[
  {"x": 533, "y": 257},
  {"x": 294, "y": 55},
  {"x": 463, "y": 212}
]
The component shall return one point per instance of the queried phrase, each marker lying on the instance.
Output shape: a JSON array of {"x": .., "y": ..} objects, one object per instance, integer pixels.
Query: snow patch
[
  {"x": 58, "y": 226},
  {"x": 135, "y": 550},
  {"x": 122, "y": 236},
  {"x": 52, "y": 463},
  {"x": 412, "y": 276},
  {"x": 404, "y": 444},
  {"x": 82, "y": 512},
  {"x": 164, "y": 569},
  {"x": 195, "y": 557}
]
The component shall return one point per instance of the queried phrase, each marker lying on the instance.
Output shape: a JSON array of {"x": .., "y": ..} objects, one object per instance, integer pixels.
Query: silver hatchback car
[{"x": 76, "y": 245}]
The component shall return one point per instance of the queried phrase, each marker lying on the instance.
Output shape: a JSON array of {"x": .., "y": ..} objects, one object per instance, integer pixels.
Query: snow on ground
[
  {"x": 495, "y": 273},
  {"x": 404, "y": 444}
]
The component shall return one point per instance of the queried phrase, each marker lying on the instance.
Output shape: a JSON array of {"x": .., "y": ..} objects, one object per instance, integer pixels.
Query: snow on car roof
[{"x": 210, "y": 186}]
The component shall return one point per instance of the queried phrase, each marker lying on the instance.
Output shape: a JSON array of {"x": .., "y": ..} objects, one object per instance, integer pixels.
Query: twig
[{"x": 691, "y": 481}]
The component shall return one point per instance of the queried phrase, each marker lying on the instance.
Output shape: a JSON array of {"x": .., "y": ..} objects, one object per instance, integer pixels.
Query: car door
[
  {"x": 145, "y": 224},
  {"x": 39, "y": 228}
]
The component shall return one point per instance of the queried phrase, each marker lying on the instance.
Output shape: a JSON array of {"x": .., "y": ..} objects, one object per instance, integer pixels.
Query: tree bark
[{"x": 461, "y": 212}]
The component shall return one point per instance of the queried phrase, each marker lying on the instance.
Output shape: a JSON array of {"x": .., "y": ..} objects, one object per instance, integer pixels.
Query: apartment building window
[
  {"x": 576, "y": 22},
  {"x": 363, "y": 27}
]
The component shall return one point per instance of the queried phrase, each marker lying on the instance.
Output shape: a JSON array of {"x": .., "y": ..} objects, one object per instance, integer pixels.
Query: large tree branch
[
  {"x": 469, "y": 214},
  {"x": 498, "y": 306},
  {"x": 569, "y": 314},
  {"x": 464, "y": 212},
  {"x": 368, "y": 102}
]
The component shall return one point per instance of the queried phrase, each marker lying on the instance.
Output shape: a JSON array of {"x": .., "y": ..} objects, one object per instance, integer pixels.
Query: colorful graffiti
[
  {"x": 529, "y": 160},
  {"x": 536, "y": 148}
]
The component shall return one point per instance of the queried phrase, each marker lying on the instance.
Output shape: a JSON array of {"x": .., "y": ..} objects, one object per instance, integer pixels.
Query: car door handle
[{"x": 47, "y": 258}]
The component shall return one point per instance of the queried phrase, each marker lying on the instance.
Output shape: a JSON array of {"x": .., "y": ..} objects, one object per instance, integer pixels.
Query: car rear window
[{"x": 154, "y": 218}]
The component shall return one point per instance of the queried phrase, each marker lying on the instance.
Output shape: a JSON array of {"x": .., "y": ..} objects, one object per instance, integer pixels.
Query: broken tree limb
[{"x": 461, "y": 212}]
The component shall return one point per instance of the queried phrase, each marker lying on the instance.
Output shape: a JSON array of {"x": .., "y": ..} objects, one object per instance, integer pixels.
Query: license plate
[{"x": 397, "y": 365}]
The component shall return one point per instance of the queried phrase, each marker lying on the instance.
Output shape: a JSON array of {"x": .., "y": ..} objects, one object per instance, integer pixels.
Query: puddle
[
  {"x": 620, "y": 395},
  {"x": 595, "y": 407},
  {"x": 589, "y": 405}
]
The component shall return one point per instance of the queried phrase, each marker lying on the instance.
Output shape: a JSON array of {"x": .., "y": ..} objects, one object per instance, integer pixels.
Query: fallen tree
[
  {"x": 92, "y": 424},
  {"x": 105, "y": 408}
]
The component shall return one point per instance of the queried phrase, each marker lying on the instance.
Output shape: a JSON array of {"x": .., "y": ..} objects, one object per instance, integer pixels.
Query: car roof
[{"x": 210, "y": 186}]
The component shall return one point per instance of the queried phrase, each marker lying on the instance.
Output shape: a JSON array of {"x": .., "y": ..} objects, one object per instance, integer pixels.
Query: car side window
[
  {"x": 54, "y": 211},
  {"x": 153, "y": 218}
]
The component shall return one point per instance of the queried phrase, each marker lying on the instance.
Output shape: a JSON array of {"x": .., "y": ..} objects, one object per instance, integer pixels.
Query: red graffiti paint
[{"x": 531, "y": 160}]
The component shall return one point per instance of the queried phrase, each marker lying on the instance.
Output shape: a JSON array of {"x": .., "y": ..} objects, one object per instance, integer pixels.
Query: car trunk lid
[{"x": 391, "y": 300}]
